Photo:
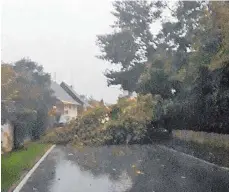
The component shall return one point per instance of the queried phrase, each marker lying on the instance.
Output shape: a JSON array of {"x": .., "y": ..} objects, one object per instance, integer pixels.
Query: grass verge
[
  {"x": 207, "y": 151},
  {"x": 16, "y": 163},
  {"x": 210, "y": 139}
]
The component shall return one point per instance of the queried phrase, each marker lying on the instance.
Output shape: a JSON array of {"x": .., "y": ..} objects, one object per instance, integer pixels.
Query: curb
[
  {"x": 190, "y": 156},
  {"x": 28, "y": 175}
]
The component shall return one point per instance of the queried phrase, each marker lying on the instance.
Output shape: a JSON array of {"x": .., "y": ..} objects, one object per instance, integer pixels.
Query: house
[
  {"x": 69, "y": 89},
  {"x": 65, "y": 105}
]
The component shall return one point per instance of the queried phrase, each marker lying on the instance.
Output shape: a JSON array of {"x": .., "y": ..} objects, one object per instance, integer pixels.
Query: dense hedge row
[{"x": 204, "y": 106}]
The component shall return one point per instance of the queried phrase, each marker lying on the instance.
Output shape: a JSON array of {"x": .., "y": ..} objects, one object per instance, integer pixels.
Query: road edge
[
  {"x": 28, "y": 175},
  {"x": 193, "y": 157}
]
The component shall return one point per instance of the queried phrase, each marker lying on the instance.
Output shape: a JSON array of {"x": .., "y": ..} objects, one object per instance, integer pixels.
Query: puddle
[{"x": 69, "y": 177}]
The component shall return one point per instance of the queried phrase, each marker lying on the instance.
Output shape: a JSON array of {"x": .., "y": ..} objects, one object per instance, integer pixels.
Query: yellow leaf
[{"x": 139, "y": 172}]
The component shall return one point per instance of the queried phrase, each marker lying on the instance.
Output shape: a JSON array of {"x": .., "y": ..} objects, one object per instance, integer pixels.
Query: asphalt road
[{"x": 124, "y": 168}]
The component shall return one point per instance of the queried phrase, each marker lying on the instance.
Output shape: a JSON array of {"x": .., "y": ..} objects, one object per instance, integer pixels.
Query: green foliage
[
  {"x": 126, "y": 45},
  {"x": 123, "y": 77},
  {"x": 140, "y": 108},
  {"x": 59, "y": 136},
  {"x": 86, "y": 129},
  {"x": 155, "y": 81},
  {"x": 24, "y": 125},
  {"x": 126, "y": 130},
  {"x": 27, "y": 96},
  {"x": 128, "y": 121},
  {"x": 186, "y": 63},
  {"x": 205, "y": 105}
]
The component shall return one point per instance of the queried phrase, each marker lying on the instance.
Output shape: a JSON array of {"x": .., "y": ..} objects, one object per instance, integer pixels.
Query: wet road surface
[{"x": 135, "y": 168}]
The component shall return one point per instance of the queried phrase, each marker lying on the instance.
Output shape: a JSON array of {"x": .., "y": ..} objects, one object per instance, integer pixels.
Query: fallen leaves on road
[
  {"x": 118, "y": 153},
  {"x": 139, "y": 172},
  {"x": 80, "y": 148}
]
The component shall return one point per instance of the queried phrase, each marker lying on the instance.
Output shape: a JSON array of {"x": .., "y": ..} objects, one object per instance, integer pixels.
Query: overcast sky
[{"x": 60, "y": 35}]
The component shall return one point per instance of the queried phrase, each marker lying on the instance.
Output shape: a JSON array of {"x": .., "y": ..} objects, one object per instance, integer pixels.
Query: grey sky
[{"x": 60, "y": 35}]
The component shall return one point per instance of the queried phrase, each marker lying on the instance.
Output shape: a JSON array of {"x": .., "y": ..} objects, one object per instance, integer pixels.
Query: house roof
[
  {"x": 73, "y": 94},
  {"x": 61, "y": 94}
]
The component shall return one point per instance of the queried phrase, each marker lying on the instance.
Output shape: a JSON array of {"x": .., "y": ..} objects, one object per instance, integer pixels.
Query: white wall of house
[{"x": 70, "y": 110}]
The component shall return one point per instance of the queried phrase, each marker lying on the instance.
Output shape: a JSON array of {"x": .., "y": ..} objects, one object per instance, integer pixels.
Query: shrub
[
  {"x": 204, "y": 105},
  {"x": 24, "y": 123},
  {"x": 140, "y": 108},
  {"x": 127, "y": 130},
  {"x": 131, "y": 120},
  {"x": 59, "y": 136}
]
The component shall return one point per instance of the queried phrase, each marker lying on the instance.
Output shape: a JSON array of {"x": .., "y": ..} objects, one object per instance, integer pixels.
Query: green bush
[
  {"x": 140, "y": 108},
  {"x": 127, "y": 130},
  {"x": 59, "y": 136},
  {"x": 203, "y": 106},
  {"x": 24, "y": 124}
]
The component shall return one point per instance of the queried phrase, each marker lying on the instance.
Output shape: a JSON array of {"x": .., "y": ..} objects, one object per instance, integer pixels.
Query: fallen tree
[{"x": 127, "y": 122}]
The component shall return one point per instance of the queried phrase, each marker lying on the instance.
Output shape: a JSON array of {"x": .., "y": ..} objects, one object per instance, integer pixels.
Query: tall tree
[
  {"x": 130, "y": 42},
  {"x": 9, "y": 84},
  {"x": 27, "y": 87}
]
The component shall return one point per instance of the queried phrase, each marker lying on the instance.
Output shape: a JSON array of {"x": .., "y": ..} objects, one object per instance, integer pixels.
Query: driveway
[{"x": 135, "y": 168}]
